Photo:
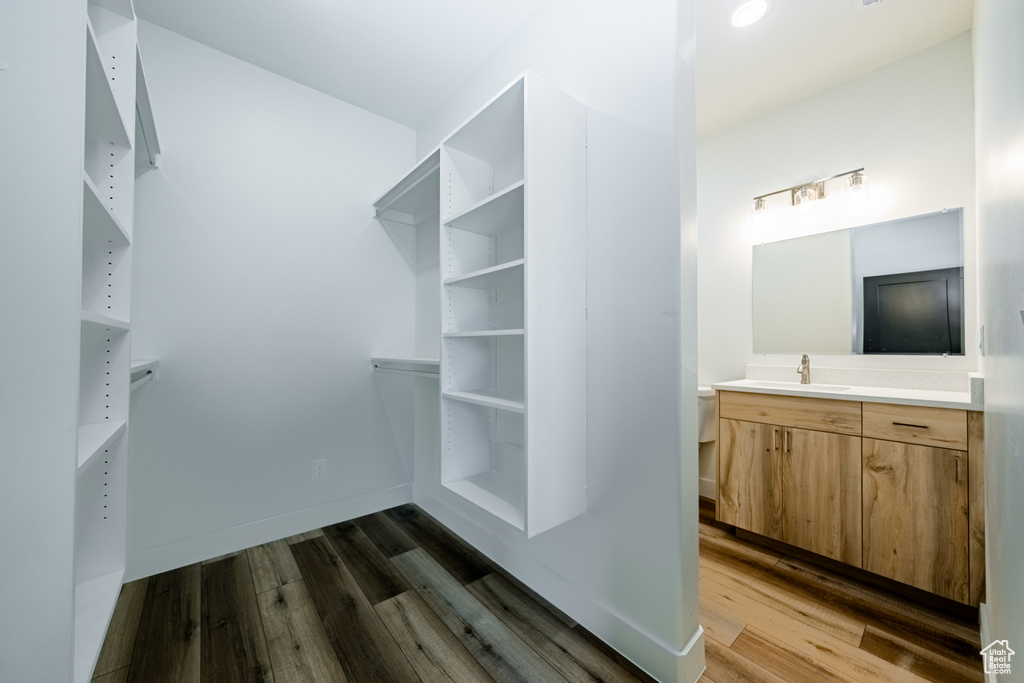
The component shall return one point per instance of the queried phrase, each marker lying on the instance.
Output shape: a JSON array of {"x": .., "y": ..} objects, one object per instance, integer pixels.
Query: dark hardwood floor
[
  {"x": 395, "y": 597},
  {"x": 390, "y": 597}
]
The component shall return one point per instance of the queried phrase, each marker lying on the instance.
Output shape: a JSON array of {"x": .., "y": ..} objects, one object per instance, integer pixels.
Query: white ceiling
[
  {"x": 403, "y": 59},
  {"x": 801, "y": 47}
]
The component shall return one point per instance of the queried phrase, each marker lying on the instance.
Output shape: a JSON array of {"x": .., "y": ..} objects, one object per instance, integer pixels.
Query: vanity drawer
[
  {"x": 939, "y": 427},
  {"x": 819, "y": 414}
]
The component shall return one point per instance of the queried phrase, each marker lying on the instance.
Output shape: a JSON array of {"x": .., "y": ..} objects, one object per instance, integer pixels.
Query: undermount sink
[{"x": 796, "y": 386}]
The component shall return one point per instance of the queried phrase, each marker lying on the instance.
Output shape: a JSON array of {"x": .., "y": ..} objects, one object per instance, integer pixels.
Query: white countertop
[{"x": 964, "y": 400}]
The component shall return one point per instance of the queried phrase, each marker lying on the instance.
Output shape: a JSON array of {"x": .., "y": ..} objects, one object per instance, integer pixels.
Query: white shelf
[
  {"x": 99, "y": 222},
  {"x": 141, "y": 365},
  {"x": 424, "y": 367},
  {"x": 499, "y": 213},
  {"x": 495, "y": 131},
  {"x": 484, "y": 334},
  {"x": 494, "y": 493},
  {"x": 415, "y": 195},
  {"x": 103, "y": 320},
  {"x": 93, "y": 438},
  {"x": 103, "y": 120},
  {"x": 489, "y": 398},
  {"x": 149, "y": 143},
  {"x": 506, "y": 275},
  {"x": 95, "y": 599}
]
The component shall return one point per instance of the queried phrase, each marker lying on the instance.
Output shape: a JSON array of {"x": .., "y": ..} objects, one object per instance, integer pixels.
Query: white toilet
[{"x": 707, "y": 430}]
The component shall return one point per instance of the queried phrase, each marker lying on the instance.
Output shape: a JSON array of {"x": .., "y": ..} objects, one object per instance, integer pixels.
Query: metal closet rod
[{"x": 142, "y": 380}]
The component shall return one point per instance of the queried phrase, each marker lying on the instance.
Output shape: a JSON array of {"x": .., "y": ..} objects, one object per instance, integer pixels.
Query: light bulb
[
  {"x": 803, "y": 198},
  {"x": 856, "y": 187},
  {"x": 748, "y": 13},
  {"x": 760, "y": 211}
]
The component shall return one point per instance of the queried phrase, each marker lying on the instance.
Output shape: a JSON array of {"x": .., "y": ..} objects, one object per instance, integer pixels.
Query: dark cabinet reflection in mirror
[{"x": 914, "y": 312}]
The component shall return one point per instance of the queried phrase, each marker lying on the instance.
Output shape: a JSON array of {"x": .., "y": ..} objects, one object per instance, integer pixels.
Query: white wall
[
  {"x": 263, "y": 286},
  {"x": 909, "y": 124},
  {"x": 999, "y": 81},
  {"x": 627, "y": 568},
  {"x": 42, "y": 91}
]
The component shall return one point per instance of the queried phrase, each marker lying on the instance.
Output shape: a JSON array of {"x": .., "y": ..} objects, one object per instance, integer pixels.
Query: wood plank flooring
[
  {"x": 770, "y": 617},
  {"x": 390, "y": 597},
  {"x": 395, "y": 597}
]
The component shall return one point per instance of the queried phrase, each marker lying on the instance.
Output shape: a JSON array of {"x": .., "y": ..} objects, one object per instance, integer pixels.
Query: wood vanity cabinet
[
  {"x": 750, "y": 477},
  {"x": 895, "y": 490},
  {"x": 916, "y": 498},
  {"x": 790, "y": 469}
]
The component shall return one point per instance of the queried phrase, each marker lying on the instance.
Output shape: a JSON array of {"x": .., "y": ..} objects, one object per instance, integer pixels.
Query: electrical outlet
[{"x": 319, "y": 470}]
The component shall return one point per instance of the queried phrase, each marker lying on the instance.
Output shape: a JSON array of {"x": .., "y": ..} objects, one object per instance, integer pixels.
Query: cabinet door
[
  {"x": 915, "y": 516},
  {"x": 749, "y": 484},
  {"x": 821, "y": 498}
]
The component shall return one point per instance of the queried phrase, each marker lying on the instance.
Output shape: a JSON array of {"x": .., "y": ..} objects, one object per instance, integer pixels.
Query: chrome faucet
[{"x": 805, "y": 370}]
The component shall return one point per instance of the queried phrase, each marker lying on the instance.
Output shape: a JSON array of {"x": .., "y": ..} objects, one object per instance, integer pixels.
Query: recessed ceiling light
[{"x": 748, "y": 12}]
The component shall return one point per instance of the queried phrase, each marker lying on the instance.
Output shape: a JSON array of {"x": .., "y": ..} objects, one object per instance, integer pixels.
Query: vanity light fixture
[{"x": 804, "y": 195}]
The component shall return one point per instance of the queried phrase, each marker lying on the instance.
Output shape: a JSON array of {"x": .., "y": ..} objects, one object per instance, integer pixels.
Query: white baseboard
[
  {"x": 691, "y": 661},
  {"x": 708, "y": 488},
  {"x": 661, "y": 660},
  {"x": 986, "y": 635},
  {"x": 144, "y": 562}
]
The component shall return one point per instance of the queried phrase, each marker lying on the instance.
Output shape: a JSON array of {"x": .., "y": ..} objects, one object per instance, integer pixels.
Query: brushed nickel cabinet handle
[
  {"x": 957, "y": 461},
  {"x": 775, "y": 431},
  {"x": 905, "y": 424}
]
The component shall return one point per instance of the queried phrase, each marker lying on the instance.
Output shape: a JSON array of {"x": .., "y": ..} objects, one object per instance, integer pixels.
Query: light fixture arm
[{"x": 818, "y": 185}]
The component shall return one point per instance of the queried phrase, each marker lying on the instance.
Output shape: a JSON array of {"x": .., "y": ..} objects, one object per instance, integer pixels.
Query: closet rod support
[{"x": 140, "y": 381}]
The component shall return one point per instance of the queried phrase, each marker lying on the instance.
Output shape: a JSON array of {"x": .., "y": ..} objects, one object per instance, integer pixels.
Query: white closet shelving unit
[
  {"x": 505, "y": 195},
  {"x": 113, "y": 78},
  {"x": 513, "y": 318}
]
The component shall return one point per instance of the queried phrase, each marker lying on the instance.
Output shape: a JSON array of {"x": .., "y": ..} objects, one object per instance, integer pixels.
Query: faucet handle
[{"x": 805, "y": 370}]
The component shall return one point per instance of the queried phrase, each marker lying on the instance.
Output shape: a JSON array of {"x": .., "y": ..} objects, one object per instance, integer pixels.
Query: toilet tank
[{"x": 707, "y": 428}]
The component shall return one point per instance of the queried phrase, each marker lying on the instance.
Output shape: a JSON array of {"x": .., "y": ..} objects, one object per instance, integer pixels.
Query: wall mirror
[{"x": 888, "y": 288}]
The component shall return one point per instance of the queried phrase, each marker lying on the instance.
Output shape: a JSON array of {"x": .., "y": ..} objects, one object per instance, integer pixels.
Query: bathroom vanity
[{"x": 885, "y": 480}]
